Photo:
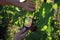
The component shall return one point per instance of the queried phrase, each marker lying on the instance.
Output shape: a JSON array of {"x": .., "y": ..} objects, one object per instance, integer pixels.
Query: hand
[
  {"x": 28, "y": 5},
  {"x": 21, "y": 35}
]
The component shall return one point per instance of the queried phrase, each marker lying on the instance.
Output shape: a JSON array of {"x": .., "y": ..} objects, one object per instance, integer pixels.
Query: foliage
[{"x": 12, "y": 19}]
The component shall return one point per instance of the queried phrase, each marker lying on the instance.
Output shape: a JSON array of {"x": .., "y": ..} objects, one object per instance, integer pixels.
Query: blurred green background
[{"x": 48, "y": 14}]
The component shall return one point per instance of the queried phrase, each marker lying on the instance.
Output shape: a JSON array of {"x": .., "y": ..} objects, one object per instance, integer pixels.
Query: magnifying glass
[{"x": 28, "y": 22}]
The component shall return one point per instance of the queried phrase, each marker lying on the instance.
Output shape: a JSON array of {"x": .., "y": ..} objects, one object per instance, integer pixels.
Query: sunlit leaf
[
  {"x": 44, "y": 28},
  {"x": 43, "y": 12},
  {"x": 55, "y": 6}
]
